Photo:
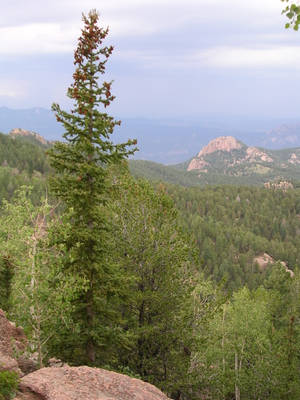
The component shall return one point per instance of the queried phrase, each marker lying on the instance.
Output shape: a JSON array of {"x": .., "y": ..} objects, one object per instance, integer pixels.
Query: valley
[{"x": 226, "y": 254}]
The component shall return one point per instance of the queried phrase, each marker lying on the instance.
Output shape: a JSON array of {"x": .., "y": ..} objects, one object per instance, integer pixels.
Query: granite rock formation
[
  {"x": 62, "y": 382},
  {"x": 226, "y": 155},
  {"x": 13, "y": 343},
  {"x": 80, "y": 383},
  {"x": 23, "y": 132}
]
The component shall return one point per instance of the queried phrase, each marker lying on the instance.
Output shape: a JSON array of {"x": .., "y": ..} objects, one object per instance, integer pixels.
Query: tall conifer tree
[{"x": 80, "y": 182}]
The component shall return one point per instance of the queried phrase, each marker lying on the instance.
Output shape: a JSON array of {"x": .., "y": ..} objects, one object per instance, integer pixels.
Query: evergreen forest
[{"x": 193, "y": 289}]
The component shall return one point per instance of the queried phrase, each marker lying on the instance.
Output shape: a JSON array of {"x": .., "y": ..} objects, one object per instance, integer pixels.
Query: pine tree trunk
[
  {"x": 140, "y": 342},
  {"x": 236, "y": 368},
  {"x": 223, "y": 344},
  {"x": 90, "y": 346}
]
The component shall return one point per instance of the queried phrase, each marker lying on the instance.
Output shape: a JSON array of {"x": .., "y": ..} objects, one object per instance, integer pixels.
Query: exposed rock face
[
  {"x": 85, "y": 383},
  {"x": 265, "y": 259},
  {"x": 294, "y": 159},
  {"x": 12, "y": 342},
  {"x": 197, "y": 163},
  {"x": 282, "y": 185},
  {"x": 23, "y": 132},
  {"x": 226, "y": 155},
  {"x": 223, "y": 143},
  {"x": 254, "y": 154},
  {"x": 61, "y": 382}
]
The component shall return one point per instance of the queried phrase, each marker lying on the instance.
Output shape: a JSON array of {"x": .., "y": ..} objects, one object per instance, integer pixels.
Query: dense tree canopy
[
  {"x": 233, "y": 225},
  {"x": 160, "y": 263}
]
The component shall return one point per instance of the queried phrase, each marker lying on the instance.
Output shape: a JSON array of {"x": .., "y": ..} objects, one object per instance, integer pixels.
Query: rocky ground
[{"x": 62, "y": 382}]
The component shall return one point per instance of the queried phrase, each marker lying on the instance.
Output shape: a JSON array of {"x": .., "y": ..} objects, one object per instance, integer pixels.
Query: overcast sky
[{"x": 172, "y": 58}]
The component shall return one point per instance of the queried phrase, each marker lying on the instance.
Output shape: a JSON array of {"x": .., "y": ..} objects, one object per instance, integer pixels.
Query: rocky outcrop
[
  {"x": 222, "y": 143},
  {"x": 228, "y": 143},
  {"x": 254, "y": 154},
  {"x": 226, "y": 156},
  {"x": 264, "y": 260},
  {"x": 80, "y": 383},
  {"x": 199, "y": 164},
  {"x": 13, "y": 343},
  {"x": 23, "y": 132},
  {"x": 282, "y": 185},
  {"x": 294, "y": 159},
  {"x": 61, "y": 382}
]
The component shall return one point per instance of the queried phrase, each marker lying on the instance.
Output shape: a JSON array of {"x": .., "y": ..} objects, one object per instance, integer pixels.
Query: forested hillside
[
  {"x": 232, "y": 225},
  {"x": 178, "y": 174},
  {"x": 159, "y": 172},
  {"x": 22, "y": 162},
  {"x": 197, "y": 264},
  {"x": 24, "y": 153}
]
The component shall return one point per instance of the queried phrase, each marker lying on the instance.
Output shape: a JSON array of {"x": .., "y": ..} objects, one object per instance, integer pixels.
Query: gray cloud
[{"x": 172, "y": 57}]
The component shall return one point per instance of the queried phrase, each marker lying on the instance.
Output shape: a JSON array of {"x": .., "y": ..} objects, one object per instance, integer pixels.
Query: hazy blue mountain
[
  {"x": 283, "y": 135},
  {"x": 223, "y": 160},
  {"x": 39, "y": 120},
  {"x": 175, "y": 141},
  {"x": 169, "y": 141}
]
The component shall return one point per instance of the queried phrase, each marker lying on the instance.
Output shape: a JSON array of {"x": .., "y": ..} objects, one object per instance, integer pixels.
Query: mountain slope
[
  {"x": 24, "y": 151},
  {"x": 225, "y": 160},
  {"x": 228, "y": 156},
  {"x": 159, "y": 172},
  {"x": 30, "y": 136}
]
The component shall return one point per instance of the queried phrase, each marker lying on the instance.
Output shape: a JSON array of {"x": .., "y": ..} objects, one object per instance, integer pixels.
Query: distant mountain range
[
  {"x": 169, "y": 141},
  {"x": 224, "y": 160},
  {"x": 227, "y": 160},
  {"x": 283, "y": 136},
  {"x": 36, "y": 119}
]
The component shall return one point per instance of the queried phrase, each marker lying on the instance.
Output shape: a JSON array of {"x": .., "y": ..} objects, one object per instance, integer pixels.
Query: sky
[{"x": 172, "y": 58}]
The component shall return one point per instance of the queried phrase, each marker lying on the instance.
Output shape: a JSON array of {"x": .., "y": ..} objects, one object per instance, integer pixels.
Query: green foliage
[
  {"x": 22, "y": 162},
  {"x": 9, "y": 381},
  {"x": 27, "y": 261},
  {"x": 234, "y": 337},
  {"x": 160, "y": 264},
  {"x": 23, "y": 155},
  {"x": 6, "y": 275},
  {"x": 159, "y": 172},
  {"x": 292, "y": 12},
  {"x": 11, "y": 180},
  {"x": 123, "y": 370},
  {"x": 80, "y": 182},
  {"x": 243, "y": 356}
]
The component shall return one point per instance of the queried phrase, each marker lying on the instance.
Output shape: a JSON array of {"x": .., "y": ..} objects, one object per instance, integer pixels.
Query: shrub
[{"x": 9, "y": 381}]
